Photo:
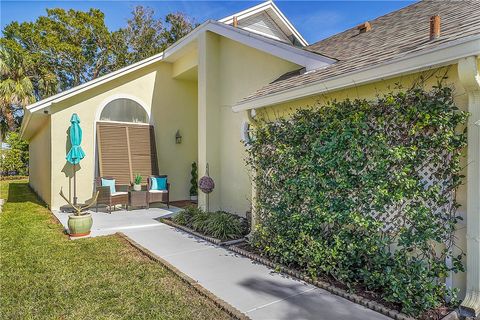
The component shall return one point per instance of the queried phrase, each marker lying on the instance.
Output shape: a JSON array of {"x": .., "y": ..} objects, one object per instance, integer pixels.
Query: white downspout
[{"x": 470, "y": 79}]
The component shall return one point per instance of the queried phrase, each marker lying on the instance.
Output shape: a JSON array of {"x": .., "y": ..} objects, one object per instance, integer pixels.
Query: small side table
[{"x": 137, "y": 198}]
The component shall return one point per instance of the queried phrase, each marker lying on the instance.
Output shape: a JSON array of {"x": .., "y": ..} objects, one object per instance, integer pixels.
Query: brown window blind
[
  {"x": 142, "y": 151},
  {"x": 125, "y": 150}
]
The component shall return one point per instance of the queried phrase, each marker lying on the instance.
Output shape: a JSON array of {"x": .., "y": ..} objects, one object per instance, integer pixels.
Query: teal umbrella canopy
[{"x": 76, "y": 153}]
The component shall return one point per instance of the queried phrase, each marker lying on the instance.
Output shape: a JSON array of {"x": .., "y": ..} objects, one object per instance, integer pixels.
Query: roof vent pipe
[
  {"x": 235, "y": 21},
  {"x": 434, "y": 27},
  {"x": 364, "y": 27}
]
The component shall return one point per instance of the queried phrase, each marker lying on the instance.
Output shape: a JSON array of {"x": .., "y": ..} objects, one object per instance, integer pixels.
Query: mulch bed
[{"x": 361, "y": 296}]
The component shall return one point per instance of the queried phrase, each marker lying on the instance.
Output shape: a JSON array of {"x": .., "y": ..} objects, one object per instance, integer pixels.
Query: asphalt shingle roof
[{"x": 392, "y": 36}]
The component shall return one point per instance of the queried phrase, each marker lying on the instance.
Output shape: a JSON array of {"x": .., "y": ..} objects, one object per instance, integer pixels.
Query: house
[{"x": 209, "y": 85}]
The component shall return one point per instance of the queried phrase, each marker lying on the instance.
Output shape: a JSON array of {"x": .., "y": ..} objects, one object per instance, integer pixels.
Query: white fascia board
[
  {"x": 45, "y": 103},
  {"x": 285, "y": 51},
  {"x": 308, "y": 59},
  {"x": 289, "y": 24},
  {"x": 247, "y": 12},
  {"x": 416, "y": 62},
  {"x": 266, "y": 35},
  {"x": 25, "y": 121},
  {"x": 264, "y": 7}
]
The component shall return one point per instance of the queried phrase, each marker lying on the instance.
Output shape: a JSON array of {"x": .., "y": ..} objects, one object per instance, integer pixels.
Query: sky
[{"x": 315, "y": 20}]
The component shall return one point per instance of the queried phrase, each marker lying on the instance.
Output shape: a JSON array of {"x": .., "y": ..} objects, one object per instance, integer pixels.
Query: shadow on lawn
[{"x": 21, "y": 192}]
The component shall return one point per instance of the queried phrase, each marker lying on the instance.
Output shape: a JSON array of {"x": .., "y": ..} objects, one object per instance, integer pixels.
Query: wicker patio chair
[
  {"x": 111, "y": 199},
  {"x": 158, "y": 195}
]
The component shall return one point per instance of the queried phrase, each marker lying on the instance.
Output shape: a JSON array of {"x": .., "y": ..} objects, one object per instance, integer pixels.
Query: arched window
[{"x": 124, "y": 110}]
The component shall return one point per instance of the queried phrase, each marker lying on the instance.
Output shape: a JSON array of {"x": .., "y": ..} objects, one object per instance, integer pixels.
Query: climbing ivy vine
[{"x": 363, "y": 192}]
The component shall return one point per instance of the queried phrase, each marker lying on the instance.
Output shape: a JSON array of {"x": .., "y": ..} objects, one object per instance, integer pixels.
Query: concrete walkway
[{"x": 250, "y": 287}]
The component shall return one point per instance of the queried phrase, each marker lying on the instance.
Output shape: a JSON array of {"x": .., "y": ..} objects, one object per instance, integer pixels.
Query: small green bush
[
  {"x": 199, "y": 222},
  {"x": 225, "y": 226},
  {"x": 221, "y": 225},
  {"x": 184, "y": 217}
]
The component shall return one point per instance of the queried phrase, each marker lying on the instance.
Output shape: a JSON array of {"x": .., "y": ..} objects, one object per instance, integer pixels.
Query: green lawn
[{"x": 44, "y": 275}]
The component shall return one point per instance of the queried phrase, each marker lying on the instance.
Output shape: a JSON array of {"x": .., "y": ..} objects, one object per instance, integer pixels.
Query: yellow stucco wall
[
  {"x": 172, "y": 104},
  {"x": 175, "y": 108},
  {"x": 40, "y": 160},
  {"x": 243, "y": 71},
  {"x": 229, "y": 71},
  {"x": 185, "y": 63}
]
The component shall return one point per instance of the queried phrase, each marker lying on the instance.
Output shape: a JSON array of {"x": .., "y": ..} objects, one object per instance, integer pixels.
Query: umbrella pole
[{"x": 74, "y": 185}]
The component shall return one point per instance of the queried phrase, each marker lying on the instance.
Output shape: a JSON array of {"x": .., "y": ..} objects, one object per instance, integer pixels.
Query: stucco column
[
  {"x": 470, "y": 79},
  {"x": 209, "y": 115}
]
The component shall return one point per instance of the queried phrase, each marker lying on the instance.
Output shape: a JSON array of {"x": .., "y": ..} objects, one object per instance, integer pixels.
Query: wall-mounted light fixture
[{"x": 178, "y": 137}]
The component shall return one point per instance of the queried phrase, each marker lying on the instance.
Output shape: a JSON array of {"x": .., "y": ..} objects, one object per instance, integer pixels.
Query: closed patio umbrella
[{"x": 76, "y": 153}]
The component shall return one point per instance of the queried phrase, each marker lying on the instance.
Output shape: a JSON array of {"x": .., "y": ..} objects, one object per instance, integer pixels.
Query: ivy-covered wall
[
  {"x": 427, "y": 79},
  {"x": 363, "y": 192}
]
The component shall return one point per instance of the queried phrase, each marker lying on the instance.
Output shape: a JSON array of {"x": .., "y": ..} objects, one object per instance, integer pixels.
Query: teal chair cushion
[
  {"x": 158, "y": 183},
  {"x": 109, "y": 183}
]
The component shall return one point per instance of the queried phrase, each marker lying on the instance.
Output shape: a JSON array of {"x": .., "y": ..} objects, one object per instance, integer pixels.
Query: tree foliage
[
  {"x": 15, "y": 159},
  {"x": 66, "y": 48},
  {"x": 146, "y": 36},
  {"x": 16, "y": 88},
  {"x": 363, "y": 192}
]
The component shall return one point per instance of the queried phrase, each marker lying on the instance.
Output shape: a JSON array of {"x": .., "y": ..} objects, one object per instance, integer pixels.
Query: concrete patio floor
[
  {"x": 105, "y": 223},
  {"x": 252, "y": 288}
]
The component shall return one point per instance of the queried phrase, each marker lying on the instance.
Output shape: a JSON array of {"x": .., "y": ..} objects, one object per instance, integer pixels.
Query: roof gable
[
  {"x": 267, "y": 20},
  {"x": 262, "y": 24}
]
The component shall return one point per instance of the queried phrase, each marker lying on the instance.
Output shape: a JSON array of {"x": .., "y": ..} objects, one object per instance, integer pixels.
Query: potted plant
[
  {"x": 137, "y": 183},
  {"x": 80, "y": 221},
  {"x": 193, "y": 183}
]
